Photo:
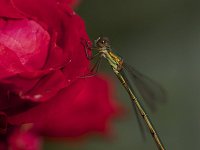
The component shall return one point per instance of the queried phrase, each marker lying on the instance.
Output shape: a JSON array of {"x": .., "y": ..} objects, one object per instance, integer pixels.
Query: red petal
[
  {"x": 85, "y": 106},
  {"x": 28, "y": 40},
  {"x": 47, "y": 87},
  {"x": 9, "y": 62},
  {"x": 8, "y": 9}
]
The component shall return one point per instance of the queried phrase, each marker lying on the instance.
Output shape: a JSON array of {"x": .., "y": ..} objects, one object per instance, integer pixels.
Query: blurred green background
[{"x": 161, "y": 38}]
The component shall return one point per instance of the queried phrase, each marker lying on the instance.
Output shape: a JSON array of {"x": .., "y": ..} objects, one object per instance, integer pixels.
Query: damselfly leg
[{"x": 93, "y": 71}]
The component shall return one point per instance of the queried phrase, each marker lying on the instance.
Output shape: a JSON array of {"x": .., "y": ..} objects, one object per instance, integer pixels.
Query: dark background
[{"x": 161, "y": 38}]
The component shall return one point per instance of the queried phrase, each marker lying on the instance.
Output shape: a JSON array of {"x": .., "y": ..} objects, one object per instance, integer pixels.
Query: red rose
[
  {"x": 40, "y": 40},
  {"x": 41, "y": 60}
]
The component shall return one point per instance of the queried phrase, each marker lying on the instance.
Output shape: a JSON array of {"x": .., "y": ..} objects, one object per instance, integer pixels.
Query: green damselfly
[{"x": 120, "y": 68}]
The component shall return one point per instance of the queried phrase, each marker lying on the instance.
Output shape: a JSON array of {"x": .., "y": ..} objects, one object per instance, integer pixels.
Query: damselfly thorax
[{"x": 103, "y": 46}]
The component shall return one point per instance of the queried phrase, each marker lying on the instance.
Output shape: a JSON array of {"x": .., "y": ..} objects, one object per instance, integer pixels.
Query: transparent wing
[
  {"x": 150, "y": 90},
  {"x": 140, "y": 123}
]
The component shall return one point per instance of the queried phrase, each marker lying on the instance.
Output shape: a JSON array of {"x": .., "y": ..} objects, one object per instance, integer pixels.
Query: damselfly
[{"x": 120, "y": 68}]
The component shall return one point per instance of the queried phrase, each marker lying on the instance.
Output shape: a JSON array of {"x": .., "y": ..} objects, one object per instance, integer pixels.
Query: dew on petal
[
  {"x": 51, "y": 69},
  {"x": 37, "y": 96}
]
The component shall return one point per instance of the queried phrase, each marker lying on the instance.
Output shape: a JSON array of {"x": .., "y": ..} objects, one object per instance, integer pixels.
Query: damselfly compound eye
[{"x": 102, "y": 42}]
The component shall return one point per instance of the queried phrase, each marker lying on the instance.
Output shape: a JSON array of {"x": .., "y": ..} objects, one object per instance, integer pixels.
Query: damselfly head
[{"x": 102, "y": 42}]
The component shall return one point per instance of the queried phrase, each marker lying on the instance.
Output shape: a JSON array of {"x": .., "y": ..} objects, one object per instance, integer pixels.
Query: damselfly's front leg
[
  {"x": 95, "y": 68},
  {"x": 88, "y": 47}
]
